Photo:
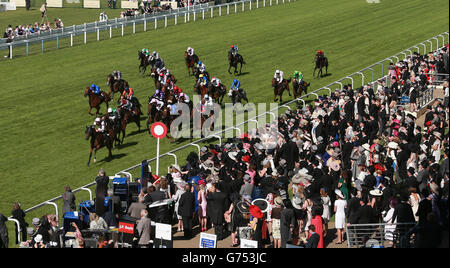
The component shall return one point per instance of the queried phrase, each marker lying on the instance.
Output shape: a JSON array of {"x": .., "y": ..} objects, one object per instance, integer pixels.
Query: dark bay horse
[
  {"x": 202, "y": 90},
  {"x": 144, "y": 62},
  {"x": 233, "y": 62},
  {"x": 217, "y": 93},
  {"x": 115, "y": 86},
  {"x": 299, "y": 87},
  {"x": 127, "y": 117},
  {"x": 190, "y": 62},
  {"x": 321, "y": 61},
  {"x": 98, "y": 141},
  {"x": 278, "y": 88},
  {"x": 95, "y": 100}
]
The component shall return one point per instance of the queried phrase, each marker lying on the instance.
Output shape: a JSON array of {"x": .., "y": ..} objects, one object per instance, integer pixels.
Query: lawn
[{"x": 44, "y": 113}]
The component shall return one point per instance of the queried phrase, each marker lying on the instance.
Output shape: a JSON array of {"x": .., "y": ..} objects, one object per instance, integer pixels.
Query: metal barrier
[
  {"x": 108, "y": 25},
  {"x": 376, "y": 234},
  {"x": 195, "y": 143}
]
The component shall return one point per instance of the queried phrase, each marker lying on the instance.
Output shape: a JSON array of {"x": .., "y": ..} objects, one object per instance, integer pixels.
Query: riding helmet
[{"x": 199, "y": 63}]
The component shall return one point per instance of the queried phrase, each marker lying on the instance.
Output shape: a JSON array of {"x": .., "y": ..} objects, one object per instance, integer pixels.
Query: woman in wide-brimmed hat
[
  {"x": 276, "y": 216},
  {"x": 339, "y": 208},
  {"x": 259, "y": 226}
]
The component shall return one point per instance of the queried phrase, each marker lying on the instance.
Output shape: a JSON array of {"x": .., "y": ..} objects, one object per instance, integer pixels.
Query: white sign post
[{"x": 158, "y": 130}]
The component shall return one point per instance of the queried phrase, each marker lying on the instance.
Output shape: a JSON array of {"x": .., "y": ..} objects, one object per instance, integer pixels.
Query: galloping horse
[
  {"x": 201, "y": 89},
  {"x": 190, "y": 62},
  {"x": 196, "y": 73},
  {"x": 299, "y": 87},
  {"x": 144, "y": 62},
  {"x": 98, "y": 141},
  {"x": 321, "y": 61},
  {"x": 278, "y": 88},
  {"x": 127, "y": 116},
  {"x": 116, "y": 128},
  {"x": 233, "y": 62},
  {"x": 95, "y": 100},
  {"x": 115, "y": 86},
  {"x": 217, "y": 93}
]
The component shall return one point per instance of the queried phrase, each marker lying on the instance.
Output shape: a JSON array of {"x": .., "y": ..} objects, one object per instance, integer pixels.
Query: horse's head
[
  {"x": 87, "y": 91},
  {"x": 88, "y": 132}
]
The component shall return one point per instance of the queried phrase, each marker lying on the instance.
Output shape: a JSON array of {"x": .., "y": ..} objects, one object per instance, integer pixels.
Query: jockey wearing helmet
[
  {"x": 96, "y": 89},
  {"x": 202, "y": 80},
  {"x": 126, "y": 104},
  {"x": 208, "y": 100},
  {"x": 190, "y": 51},
  {"x": 155, "y": 55},
  {"x": 235, "y": 87},
  {"x": 215, "y": 82},
  {"x": 157, "y": 99},
  {"x": 128, "y": 93},
  {"x": 320, "y": 53},
  {"x": 112, "y": 114},
  {"x": 278, "y": 76},
  {"x": 201, "y": 67},
  {"x": 184, "y": 97},
  {"x": 177, "y": 91},
  {"x": 100, "y": 125},
  {"x": 233, "y": 50},
  {"x": 298, "y": 75},
  {"x": 117, "y": 75}
]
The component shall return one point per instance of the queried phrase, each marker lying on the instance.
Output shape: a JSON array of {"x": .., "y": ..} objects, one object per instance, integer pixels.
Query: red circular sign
[{"x": 158, "y": 130}]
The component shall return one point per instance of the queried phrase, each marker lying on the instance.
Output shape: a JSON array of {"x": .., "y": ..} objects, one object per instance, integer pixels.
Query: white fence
[
  {"x": 193, "y": 13},
  {"x": 395, "y": 58}
]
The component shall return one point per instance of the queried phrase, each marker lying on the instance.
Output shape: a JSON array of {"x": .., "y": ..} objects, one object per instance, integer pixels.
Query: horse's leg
[
  {"x": 229, "y": 68},
  {"x": 90, "y": 155},
  {"x": 89, "y": 111},
  {"x": 240, "y": 69},
  {"x": 95, "y": 155},
  {"x": 275, "y": 96}
]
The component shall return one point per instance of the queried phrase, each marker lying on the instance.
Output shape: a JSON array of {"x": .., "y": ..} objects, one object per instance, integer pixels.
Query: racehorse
[
  {"x": 190, "y": 62},
  {"x": 98, "y": 141},
  {"x": 144, "y": 62},
  {"x": 233, "y": 62},
  {"x": 299, "y": 87},
  {"x": 197, "y": 73},
  {"x": 217, "y": 93},
  {"x": 115, "y": 86},
  {"x": 321, "y": 61},
  {"x": 115, "y": 127},
  {"x": 127, "y": 116},
  {"x": 153, "y": 114},
  {"x": 201, "y": 89},
  {"x": 95, "y": 100},
  {"x": 278, "y": 88},
  {"x": 240, "y": 95}
]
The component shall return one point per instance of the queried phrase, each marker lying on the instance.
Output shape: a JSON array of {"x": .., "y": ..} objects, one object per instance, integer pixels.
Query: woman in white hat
[
  {"x": 339, "y": 208},
  {"x": 176, "y": 199}
]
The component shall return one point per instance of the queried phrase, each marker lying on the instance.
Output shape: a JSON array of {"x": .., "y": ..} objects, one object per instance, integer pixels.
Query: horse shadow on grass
[
  {"x": 243, "y": 73},
  {"x": 125, "y": 145},
  {"x": 114, "y": 156}
]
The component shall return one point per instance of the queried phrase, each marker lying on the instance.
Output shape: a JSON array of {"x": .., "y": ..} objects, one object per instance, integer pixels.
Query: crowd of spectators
[{"x": 355, "y": 156}]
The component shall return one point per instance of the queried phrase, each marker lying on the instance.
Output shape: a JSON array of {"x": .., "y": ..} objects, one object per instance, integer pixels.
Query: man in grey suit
[
  {"x": 68, "y": 200},
  {"x": 144, "y": 228},
  {"x": 423, "y": 175}
]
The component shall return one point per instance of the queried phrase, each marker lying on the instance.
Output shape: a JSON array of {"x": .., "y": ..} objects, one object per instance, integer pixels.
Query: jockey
[
  {"x": 201, "y": 67},
  {"x": 157, "y": 99},
  {"x": 320, "y": 53},
  {"x": 184, "y": 97},
  {"x": 278, "y": 76},
  {"x": 298, "y": 75},
  {"x": 100, "y": 125},
  {"x": 215, "y": 82},
  {"x": 177, "y": 91},
  {"x": 155, "y": 55},
  {"x": 202, "y": 80},
  {"x": 235, "y": 87},
  {"x": 233, "y": 50},
  {"x": 128, "y": 93},
  {"x": 126, "y": 104},
  {"x": 112, "y": 114},
  {"x": 96, "y": 89},
  {"x": 117, "y": 75},
  {"x": 190, "y": 51}
]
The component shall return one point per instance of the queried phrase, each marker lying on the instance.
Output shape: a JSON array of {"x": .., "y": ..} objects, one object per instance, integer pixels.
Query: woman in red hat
[{"x": 259, "y": 226}]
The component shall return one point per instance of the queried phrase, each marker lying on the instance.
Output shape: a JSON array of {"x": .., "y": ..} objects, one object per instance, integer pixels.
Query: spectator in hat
[
  {"x": 97, "y": 222},
  {"x": 217, "y": 204},
  {"x": 326, "y": 203},
  {"x": 247, "y": 188},
  {"x": 68, "y": 200},
  {"x": 339, "y": 209},
  {"x": 317, "y": 222}
]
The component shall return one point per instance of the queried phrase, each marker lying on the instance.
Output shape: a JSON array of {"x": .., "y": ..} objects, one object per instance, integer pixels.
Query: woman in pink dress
[
  {"x": 317, "y": 222},
  {"x": 202, "y": 207}
]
